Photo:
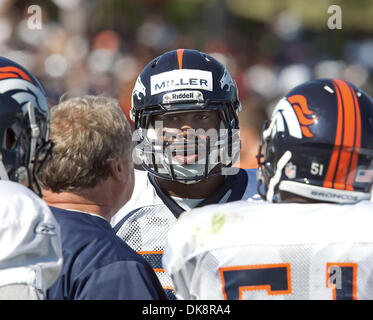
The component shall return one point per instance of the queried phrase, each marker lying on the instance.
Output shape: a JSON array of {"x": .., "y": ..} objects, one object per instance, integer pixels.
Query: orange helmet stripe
[
  {"x": 328, "y": 182},
  {"x": 180, "y": 53},
  {"x": 355, "y": 154},
  {"x": 343, "y": 162}
]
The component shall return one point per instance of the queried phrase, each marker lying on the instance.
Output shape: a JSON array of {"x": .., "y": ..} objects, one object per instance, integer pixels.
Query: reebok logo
[{"x": 46, "y": 229}]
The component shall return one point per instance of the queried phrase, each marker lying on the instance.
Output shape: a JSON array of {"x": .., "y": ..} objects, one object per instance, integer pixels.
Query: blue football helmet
[
  {"x": 24, "y": 125},
  {"x": 179, "y": 81},
  {"x": 319, "y": 144}
]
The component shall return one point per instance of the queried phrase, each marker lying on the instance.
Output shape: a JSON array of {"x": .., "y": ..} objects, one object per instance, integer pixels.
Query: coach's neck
[{"x": 102, "y": 200}]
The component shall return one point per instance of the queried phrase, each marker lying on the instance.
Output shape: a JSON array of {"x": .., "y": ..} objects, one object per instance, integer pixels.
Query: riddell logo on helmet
[{"x": 183, "y": 96}]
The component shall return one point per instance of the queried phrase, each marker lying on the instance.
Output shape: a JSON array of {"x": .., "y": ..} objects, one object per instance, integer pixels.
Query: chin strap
[
  {"x": 276, "y": 178},
  {"x": 35, "y": 131}
]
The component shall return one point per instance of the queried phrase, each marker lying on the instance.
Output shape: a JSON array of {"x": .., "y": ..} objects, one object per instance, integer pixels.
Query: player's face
[{"x": 188, "y": 132}]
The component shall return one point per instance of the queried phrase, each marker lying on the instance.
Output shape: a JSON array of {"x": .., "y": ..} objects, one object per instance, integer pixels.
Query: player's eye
[
  {"x": 167, "y": 117},
  {"x": 10, "y": 139},
  {"x": 173, "y": 118},
  {"x": 202, "y": 116}
]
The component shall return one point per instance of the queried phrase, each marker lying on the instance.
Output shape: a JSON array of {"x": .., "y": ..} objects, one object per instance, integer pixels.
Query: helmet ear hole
[{"x": 10, "y": 139}]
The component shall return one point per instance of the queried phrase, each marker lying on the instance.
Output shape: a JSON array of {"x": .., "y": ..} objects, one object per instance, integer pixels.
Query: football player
[
  {"x": 185, "y": 109},
  {"x": 315, "y": 241},
  {"x": 30, "y": 245},
  {"x": 24, "y": 125}
]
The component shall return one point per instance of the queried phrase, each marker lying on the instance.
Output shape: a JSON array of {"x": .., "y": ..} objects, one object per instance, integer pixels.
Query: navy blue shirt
[{"x": 98, "y": 264}]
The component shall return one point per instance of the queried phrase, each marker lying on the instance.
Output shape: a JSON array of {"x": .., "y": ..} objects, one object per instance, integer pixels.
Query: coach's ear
[{"x": 118, "y": 168}]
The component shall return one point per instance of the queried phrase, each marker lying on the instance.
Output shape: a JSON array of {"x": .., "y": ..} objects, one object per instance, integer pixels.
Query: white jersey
[
  {"x": 30, "y": 244},
  {"x": 294, "y": 251},
  {"x": 145, "y": 193},
  {"x": 150, "y": 213}
]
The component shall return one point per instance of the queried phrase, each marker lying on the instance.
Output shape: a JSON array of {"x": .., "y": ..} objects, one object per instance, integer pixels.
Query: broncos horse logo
[
  {"x": 293, "y": 114},
  {"x": 226, "y": 80},
  {"x": 300, "y": 106},
  {"x": 139, "y": 88},
  {"x": 21, "y": 87}
]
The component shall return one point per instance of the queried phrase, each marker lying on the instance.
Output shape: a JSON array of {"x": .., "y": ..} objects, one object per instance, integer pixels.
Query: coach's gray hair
[{"x": 88, "y": 132}]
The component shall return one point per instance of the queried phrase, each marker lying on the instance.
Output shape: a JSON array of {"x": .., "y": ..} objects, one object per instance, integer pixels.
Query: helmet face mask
[
  {"x": 185, "y": 81},
  {"x": 188, "y": 155},
  {"x": 24, "y": 126},
  {"x": 318, "y": 144}
]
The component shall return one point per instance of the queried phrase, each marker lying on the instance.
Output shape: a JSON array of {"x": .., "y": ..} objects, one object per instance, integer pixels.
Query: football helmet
[
  {"x": 318, "y": 144},
  {"x": 185, "y": 80},
  {"x": 24, "y": 125}
]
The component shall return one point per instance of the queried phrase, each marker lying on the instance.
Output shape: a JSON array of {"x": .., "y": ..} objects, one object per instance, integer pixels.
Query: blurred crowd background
[{"x": 269, "y": 46}]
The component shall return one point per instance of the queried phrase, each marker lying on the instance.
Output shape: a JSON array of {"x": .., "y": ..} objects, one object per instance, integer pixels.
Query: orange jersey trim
[
  {"x": 354, "y": 279},
  {"x": 149, "y": 252},
  {"x": 242, "y": 289}
]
